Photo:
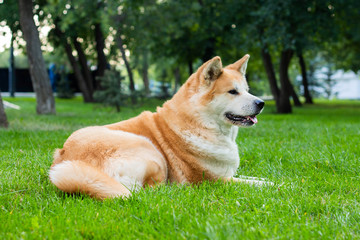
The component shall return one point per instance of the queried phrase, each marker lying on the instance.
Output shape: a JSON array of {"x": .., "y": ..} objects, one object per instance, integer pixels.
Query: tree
[
  {"x": 270, "y": 72},
  {"x": 83, "y": 43},
  {"x": 312, "y": 31},
  {"x": 284, "y": 104},
  {"x": 112, "y": 93},
  {"x": 9, "y": 13},
  {"x": 82, "y": 84},
  {"x": 145, "y": 72},
  {"x": 283, "y": 29},
  {"x": 102, "y": 63},
  {"x": 119, "y": 20},
  {"x": 3, "y": 120},
  {"x": 40, "y": 79},
  {"x": 82, "y": 59},
  {"x": 134, "y": 27},
  {"x": 267, "y": 26},
  {"x": 120, "y": 45},
  {"x": 12, "y": 79},
  {"x": 345, "y": 52},
  {"x": 305, "y": 81},
  {"x": 196, "y": 36}
]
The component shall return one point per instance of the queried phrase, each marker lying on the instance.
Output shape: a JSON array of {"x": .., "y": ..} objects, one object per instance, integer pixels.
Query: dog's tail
[{"x": 78, "y": 176}]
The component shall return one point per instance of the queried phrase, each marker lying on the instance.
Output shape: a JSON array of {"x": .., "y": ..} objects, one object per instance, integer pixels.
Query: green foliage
[
  {"x": 9, "y": 12},
  {"x": 282, "y": 24},
  {"x": 315, "y": 168},
  {"x": 189, "y": 30},
  {"x": 345, "y": 52},
  {"x": 183, "y": 33},
  {"x": 112, "y": 92}
]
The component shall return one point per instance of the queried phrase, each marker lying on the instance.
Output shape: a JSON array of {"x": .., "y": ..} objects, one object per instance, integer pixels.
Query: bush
[{"x": 111, "y": 93}]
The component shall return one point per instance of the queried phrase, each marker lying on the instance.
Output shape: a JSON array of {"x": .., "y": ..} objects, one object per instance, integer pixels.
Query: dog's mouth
[{"x": 241, "y": 120}]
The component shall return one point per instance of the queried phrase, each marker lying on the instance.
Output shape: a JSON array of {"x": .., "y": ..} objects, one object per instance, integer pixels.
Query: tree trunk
[
  {"x": 284, "y": 101},
  {"x": 12, "y": 77},
  {"x": 85, "y": 68},
  {"x": 118, "y": 20},
  {"x": 145, "y": 75},
  {"x": 78, "y": 74},
  {"x": 305, "y": 82},
  {"x": 45, "y": 103},
  {"x": 128, "y": 68},
  {"x": 77, "y": 71},
  {"x": 177, "y": 79},
  {"x": 101, "y": 58},
  {"x": 269, "y": 68},
  {"x": 127, "y": 64},
  {"x": 291, "y": 89},
  {"x": 3, "y": 120},
  {"x": 294, "y": 95}
]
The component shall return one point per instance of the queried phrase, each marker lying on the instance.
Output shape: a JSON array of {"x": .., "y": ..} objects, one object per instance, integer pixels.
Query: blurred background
[{"x": 115, "y": 50}]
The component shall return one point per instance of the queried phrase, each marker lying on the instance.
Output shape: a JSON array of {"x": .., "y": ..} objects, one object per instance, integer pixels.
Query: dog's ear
[
  {"x": 212, "y": 69},
  {"x": 240, "y": 65}
]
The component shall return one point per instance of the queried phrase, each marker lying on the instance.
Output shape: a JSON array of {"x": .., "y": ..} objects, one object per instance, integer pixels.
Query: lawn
[{"x": 312, "y": 155}]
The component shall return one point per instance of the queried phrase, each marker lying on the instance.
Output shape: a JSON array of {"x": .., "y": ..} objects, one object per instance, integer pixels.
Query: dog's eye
[{"x": 233, "y": 92}]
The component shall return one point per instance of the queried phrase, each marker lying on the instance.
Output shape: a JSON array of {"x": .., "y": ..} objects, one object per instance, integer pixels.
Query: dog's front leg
[{"x": 249, "y": 180}]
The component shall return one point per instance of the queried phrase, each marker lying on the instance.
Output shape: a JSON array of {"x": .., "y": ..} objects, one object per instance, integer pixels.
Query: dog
[{"x": 191, "y": 138}]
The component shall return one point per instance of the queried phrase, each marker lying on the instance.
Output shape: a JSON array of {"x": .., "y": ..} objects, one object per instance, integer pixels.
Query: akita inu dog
[{"x": 191, "y": 138}]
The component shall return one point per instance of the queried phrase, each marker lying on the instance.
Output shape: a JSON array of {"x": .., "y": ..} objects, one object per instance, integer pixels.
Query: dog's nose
[{"x": 259, "y": 103}]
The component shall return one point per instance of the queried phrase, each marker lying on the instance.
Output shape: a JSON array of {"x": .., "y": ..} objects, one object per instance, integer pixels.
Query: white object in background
[{"x": 11, "y": 105}]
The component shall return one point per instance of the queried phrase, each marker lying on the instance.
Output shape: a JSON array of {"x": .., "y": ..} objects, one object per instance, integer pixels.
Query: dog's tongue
[{"x": 254, "y": 119}]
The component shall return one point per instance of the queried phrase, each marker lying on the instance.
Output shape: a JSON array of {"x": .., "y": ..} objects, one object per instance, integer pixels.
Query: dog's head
[{"x": 223, "y": 95}]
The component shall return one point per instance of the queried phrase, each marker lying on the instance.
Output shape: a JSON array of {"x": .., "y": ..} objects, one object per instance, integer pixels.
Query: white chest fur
[{"x": 219, "y": 155}]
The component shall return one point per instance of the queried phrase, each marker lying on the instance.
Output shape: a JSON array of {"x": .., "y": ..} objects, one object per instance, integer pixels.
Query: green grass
[{"x": 313, "y": 156}]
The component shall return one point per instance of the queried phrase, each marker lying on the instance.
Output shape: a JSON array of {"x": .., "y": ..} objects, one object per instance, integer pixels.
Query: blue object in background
[{"x": 53, "y": 76}]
